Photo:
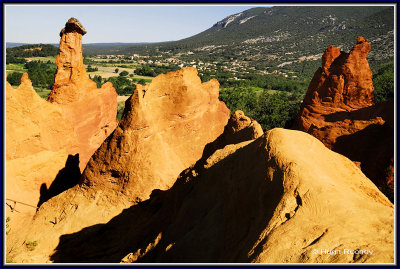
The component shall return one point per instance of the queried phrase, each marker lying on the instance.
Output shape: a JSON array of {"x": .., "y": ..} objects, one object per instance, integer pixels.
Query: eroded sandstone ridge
[
  {"x": 47, "y": 141},
  {"x": 270, "y": 198},
  {"x": 38, "y": 140},
  {"x": 338, "y": 109},
  {"x": 164, "y": 129}
]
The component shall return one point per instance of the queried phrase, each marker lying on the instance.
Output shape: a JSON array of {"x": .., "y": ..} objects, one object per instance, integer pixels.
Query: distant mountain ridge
[
  {"x": 297, "y": 21},
  {"x": 280, "y": 36},
  {"x": 287, "y": 38}
]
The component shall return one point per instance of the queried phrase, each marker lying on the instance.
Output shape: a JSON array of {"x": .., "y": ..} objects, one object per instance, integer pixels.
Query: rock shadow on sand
[{"x": 66, "y": 178}]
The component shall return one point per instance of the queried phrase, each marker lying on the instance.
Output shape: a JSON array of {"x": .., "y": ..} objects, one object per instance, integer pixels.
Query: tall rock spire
[
  {"x": 71, "y": 78},
  {"x": 92, "y": 111}
]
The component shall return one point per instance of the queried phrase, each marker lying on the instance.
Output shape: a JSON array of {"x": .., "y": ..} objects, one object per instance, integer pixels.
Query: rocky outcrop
[
  {"x": 344, "y": 81},
  {"x": 38, "y": 141},
  {"x": 71, "y": 82},
  {"x": 33, "y": 124},
  {"x": 41, "y": 135},
  {"x": 91, "y": 111},
  {"x": 338, "y": 109},
  {"x": 281, "y": 198},
  {"x": 164, "y": 129}
]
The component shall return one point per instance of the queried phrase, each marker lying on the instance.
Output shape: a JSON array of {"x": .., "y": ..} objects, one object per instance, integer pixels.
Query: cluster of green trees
[
  {"x": 272, "y": 82},
  {"x": 15, "y": 60},
  {"x": 122, "y": 84},
  {"x": 14, "y": 78},
  {"x": 383, "y": 81},
  {"x": 270, "y": 109},
  {"x": 41, "y": 74},
  {"x": 153, "y": 70},
  {"x": 98, "y": 79},
  {"x": 145, "y": 70},
  {"x": 35, "y": 50}
]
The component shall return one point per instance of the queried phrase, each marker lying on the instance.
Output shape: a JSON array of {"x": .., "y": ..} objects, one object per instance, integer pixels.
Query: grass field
[
  {"x": 42, "y": 59},
  {"x": 20, "y": 67},
  {"x": 107, "y": 72},
  {"x": 15, "y": 67},
  {"x": 147, "y": 79}
]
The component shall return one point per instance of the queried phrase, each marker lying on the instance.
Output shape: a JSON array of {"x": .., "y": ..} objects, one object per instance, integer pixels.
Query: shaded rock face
[
  {"x": 274, "y": 199},
  {"x": 338, "y": 109},
  {"x": 164, "y": 129},
  {"x": 91, "y": 111}
]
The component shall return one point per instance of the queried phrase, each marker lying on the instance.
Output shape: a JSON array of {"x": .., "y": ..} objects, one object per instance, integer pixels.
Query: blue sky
[{"x": 117, "y": 23}]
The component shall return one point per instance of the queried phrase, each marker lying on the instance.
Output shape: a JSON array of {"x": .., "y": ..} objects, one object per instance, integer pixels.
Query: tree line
[{"x": 35, "y": 50}]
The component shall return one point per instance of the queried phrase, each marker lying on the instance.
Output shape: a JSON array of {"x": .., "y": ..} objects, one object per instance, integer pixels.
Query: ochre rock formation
[
  {"x": 91, "y": 111},
  {"x": 32, "y": 124},
  {"x": 38, "y": 139},
  {"x": 281, "y": 198},
  {"x": 71, "y": 81},
  {"x": 344, "y": 80},
  {"x": 338, "y": 109},
  {"x": 164, "y": 129},
  {"x": 40, "y": 135}
]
